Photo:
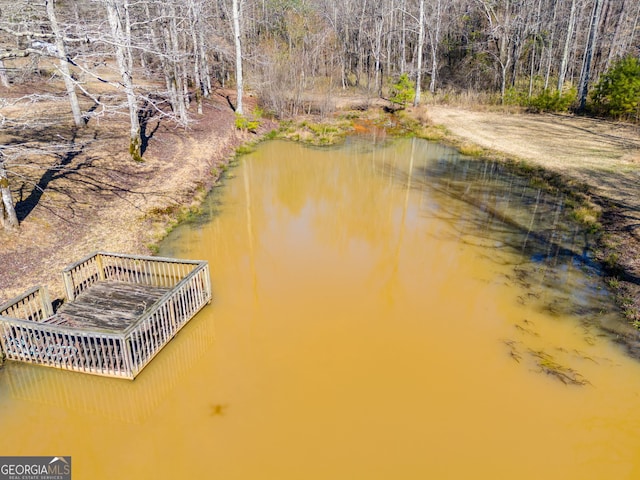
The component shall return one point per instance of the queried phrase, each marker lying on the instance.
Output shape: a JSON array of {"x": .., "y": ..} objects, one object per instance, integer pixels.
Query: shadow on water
[
  {"x": 521, "y": 225},
  {"x": 509, "y": 208}
]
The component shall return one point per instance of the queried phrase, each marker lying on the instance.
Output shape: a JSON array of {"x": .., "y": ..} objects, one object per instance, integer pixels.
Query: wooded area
[{"x": 161, "y": 58}]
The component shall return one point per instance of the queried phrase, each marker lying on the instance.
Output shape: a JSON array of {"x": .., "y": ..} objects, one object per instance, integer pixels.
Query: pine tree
[{"x": 618, "y": 92}]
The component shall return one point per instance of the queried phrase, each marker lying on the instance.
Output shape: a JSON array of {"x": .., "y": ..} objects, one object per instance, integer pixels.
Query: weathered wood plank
[{"x": 109, "y": 305}]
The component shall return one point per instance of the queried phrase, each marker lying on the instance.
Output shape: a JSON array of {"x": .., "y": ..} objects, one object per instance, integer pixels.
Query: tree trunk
[
  {"x": 4, "y": 81},
  {"x": 8, "y": 215},
  {"x": 631, "y": 38},
  {"x": 534, "y": 45},
  {"x": 177, "y": 67},
  {"x": 63, "y": 64},
  {"x": 123, "y": 59},
  {"x": 238, "y": 45},
  {"x": 379, "y": 25},
  {"x": 403, "y": 38},
  {"x": 591, "y": 44},
  {"x": 435, "y": 41},
  {"x": 565, "y": 51},
  {"x": 197, "y": 80},
  {"x": 615, "y": 43},
  {"x": 551, "y": 48},
  {"x": 416, "y": 100},
  {"x": 505, "y": 52}
]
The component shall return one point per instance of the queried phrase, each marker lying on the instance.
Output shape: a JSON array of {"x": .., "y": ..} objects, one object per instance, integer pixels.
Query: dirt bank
[
  {"x": 94, "y": 197},
  {"x": 604, "y": 156}
]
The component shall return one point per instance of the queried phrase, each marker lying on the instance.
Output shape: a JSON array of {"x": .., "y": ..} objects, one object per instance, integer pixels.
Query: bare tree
[
  {"x": 591, "y": 45},
  {"x": 8, "y": 216},
  {"x": 434, "y": 39},
  {"x": 119, "y": 21},
  {"x": 238, "y": 48},
  {"x": 63, "y": 64},
  {"x": 500, "y": 21},
  {"x": 565, "y": 50},
  {"x": 416, "y": 100}
]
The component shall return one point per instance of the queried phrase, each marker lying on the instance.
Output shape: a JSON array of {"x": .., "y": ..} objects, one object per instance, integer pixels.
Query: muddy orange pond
[{"x": 382, "y": 310}]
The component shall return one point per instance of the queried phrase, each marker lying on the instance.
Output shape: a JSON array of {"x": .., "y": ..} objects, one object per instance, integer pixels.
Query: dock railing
[
  {"x": 100, "y": 353},
  {"x": 29, "y": 331},
  {"x": 33, "y": 305},
  {"x": 168, "y": 315},
  {"x": 144, "y": 270}
]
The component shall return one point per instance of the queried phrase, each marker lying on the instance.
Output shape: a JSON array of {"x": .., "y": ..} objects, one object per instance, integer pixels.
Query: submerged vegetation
[
  {"x": 550, "y": 366},
  {"x": 545, "y": 363}
]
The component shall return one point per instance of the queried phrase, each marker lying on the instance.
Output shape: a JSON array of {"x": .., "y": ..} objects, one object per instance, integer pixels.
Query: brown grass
[{"x": 98, "y": 198}]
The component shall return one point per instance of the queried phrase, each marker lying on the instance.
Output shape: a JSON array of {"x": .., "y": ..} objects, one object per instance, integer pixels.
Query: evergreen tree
[
  {"x": 402, "y": 92},
  {"x": 618, "y": 92}
]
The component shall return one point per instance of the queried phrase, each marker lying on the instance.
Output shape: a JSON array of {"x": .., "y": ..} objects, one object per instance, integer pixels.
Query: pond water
[{"x": 382, "y": 310}]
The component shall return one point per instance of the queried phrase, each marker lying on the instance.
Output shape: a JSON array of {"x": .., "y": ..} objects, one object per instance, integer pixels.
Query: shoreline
[
  {"x": 595, "y": 161},
  {"x": 562, "y": 151},
  {"x": 103, "y": 201}
]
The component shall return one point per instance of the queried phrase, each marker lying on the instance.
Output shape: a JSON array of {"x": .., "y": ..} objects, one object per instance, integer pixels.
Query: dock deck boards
[
  {"x": 121, "y": 311},
  {"x": 108, "y": 305}
]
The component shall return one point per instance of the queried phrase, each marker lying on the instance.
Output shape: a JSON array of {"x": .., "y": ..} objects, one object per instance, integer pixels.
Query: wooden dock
[{"x": 121, "y": 311}]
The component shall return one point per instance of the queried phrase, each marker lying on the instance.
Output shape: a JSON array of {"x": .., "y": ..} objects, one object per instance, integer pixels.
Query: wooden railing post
[
  {"x": 47, "y": 307},
  {"x": 207, "y": 281},
  {"x": 68, "y": 285},
  {"x": 100, "y": 266}
]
